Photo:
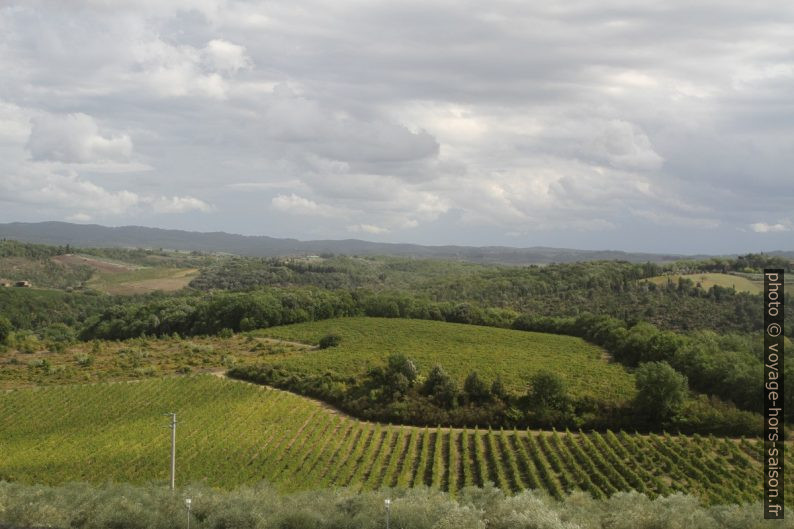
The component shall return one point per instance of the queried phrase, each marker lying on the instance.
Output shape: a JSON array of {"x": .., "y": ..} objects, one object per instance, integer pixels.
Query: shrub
[{"x": 330, "y": 340}]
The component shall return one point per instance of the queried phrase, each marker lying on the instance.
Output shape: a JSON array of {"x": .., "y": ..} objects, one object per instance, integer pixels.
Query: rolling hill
[
  {"x": 92, "y": 235},
  {"x": 514, "y": 356}
]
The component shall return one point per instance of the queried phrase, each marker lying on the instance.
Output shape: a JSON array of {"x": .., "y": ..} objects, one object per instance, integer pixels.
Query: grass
[
  {"x": 232, "y": 433},
  {"x": 141, "y": 280},
  {"x": 134, "y": 359},
  {"x": 706, "y": 281},
  {"x": 512, "y": 355}
]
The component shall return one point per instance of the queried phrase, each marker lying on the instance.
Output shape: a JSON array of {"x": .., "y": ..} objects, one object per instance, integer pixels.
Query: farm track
[{"x": 233, "y": 432}]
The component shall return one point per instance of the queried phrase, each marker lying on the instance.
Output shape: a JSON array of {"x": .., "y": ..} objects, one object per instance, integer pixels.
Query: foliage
[
  {"x": 475, "y": 389},
  {"x": 661, "y": 390},
  {"x": 5, "y": 329},
  {"x": 728, "y": 366},
  {"x": 547, "y": 391},
  {"x": 441, "y": 388},
  {"x": 118, "y": 506},
  {"x": 613, "y": 288},
  {"x": 329, "y": 340}
]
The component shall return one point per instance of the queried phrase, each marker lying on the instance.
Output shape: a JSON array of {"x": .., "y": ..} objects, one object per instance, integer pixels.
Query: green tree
[
  {"x": 547, "y": 391},
  {"x": 498, "y": 389},
  {"x": 475, "y": 389},
  {"x": 661, "y": 390},
  {"x": 5, "y": 329},
  {"x": 441, "y": 387}
]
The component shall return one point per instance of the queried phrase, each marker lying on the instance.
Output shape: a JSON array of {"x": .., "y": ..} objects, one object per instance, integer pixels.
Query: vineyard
[
  {"x": 509, "y": 354},
  {"x": 231, "y": 433}
]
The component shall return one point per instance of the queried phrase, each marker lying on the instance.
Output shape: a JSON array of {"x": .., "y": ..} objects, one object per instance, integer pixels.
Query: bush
[
  {"x": 121, "y": 506},
  {"x": 330, "y": 340}
]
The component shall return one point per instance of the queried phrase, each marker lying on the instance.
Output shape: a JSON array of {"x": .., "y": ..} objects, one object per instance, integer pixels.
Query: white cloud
[
  {"x": 79, "y": 217},
  {"x": 66, "y": 191},
  {"x": 763, "y": 227},
  {"x": 75, "y": 138},
  {"x": 225, "y": 56},
  {"x": 303, "y": 206},
  {"x": 177, "y": 204},
  {"x": 367, "y": 228}
]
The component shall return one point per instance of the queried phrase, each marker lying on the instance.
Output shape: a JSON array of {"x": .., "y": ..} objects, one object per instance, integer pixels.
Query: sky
[{"x": 661, "y": 126}]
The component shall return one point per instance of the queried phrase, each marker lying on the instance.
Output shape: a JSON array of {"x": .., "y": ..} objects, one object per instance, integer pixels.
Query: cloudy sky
[{"x": 598, "y": 124}]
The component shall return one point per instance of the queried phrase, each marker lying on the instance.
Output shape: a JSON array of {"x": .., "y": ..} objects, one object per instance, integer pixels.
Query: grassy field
[
  {"x": 707, "y": 280},
  {"x": 118, "y": 277},
  {"x": 134, "y": 359},
  {"x": 513, "y": 355},
  {"x": 142, "y": 280},
  {"x": 231, "y": 433}
]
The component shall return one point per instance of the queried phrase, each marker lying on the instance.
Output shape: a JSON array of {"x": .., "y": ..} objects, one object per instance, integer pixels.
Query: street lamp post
[
  {"x": 387, "y": 501},
  {"x": 187, "y": 504}
]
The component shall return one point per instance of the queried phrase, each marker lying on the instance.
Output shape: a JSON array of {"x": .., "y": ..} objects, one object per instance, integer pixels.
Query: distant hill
[{"x": 92, "y": 235}]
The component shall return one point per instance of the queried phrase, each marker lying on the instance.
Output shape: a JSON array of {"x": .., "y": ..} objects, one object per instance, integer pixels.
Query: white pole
[{"x": 173, "y": 449}]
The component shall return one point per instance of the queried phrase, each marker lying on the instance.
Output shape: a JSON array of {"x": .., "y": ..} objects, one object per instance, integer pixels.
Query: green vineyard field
[
  {"x": 231, "y": 433},
  {"x": 512, "y": 355}
]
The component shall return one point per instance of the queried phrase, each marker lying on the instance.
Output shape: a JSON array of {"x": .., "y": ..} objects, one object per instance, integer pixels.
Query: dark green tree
[
  {"x": 498, "y": 389},
  {"x": 547, "y": 391},
  {"x": 661, "y": 390},
  {"x": 440, "y": 387},
  {"x": 475, "y": 389},
  {"x": 330, "y": 340},
  {"x": 5, "y": 329}
]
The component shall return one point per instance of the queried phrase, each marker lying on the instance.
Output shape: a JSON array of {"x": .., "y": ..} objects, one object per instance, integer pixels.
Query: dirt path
[{"x": 279, "y": 341}]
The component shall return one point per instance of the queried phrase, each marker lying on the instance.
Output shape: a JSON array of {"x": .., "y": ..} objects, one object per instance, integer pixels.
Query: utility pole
[{"x": 173, "y": 448}]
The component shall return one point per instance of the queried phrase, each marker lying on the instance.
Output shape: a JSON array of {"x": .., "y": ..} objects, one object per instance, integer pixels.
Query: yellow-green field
[
  {"x": 706, "y": 281},
  {"x": 116, "y": 277},
  {"x": 231, "y": 433},
  {"x": 137, "y": 358},
  {"x": 512, "y": 355},
  {"x": 142, "y": 280}
]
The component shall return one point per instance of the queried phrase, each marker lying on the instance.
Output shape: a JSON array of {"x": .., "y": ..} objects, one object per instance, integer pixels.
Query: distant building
[
  {"x": 5, "y": 283},
  {"x": 25, "y": 284}
]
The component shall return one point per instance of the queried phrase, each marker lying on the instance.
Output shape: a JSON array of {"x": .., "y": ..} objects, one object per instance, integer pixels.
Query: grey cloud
[
  {"x": 397, "y": 120},
  {"x": 75, "y": 138}
]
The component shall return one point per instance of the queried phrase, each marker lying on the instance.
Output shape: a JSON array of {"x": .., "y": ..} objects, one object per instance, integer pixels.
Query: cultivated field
[
  {"x": 232, "y": 433},
  {"x": 512, "y": 355},
  {"x": 708, "y": 280},
  {"x": 142, "y": 280},
  {"x": 117, "y": 277}
]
